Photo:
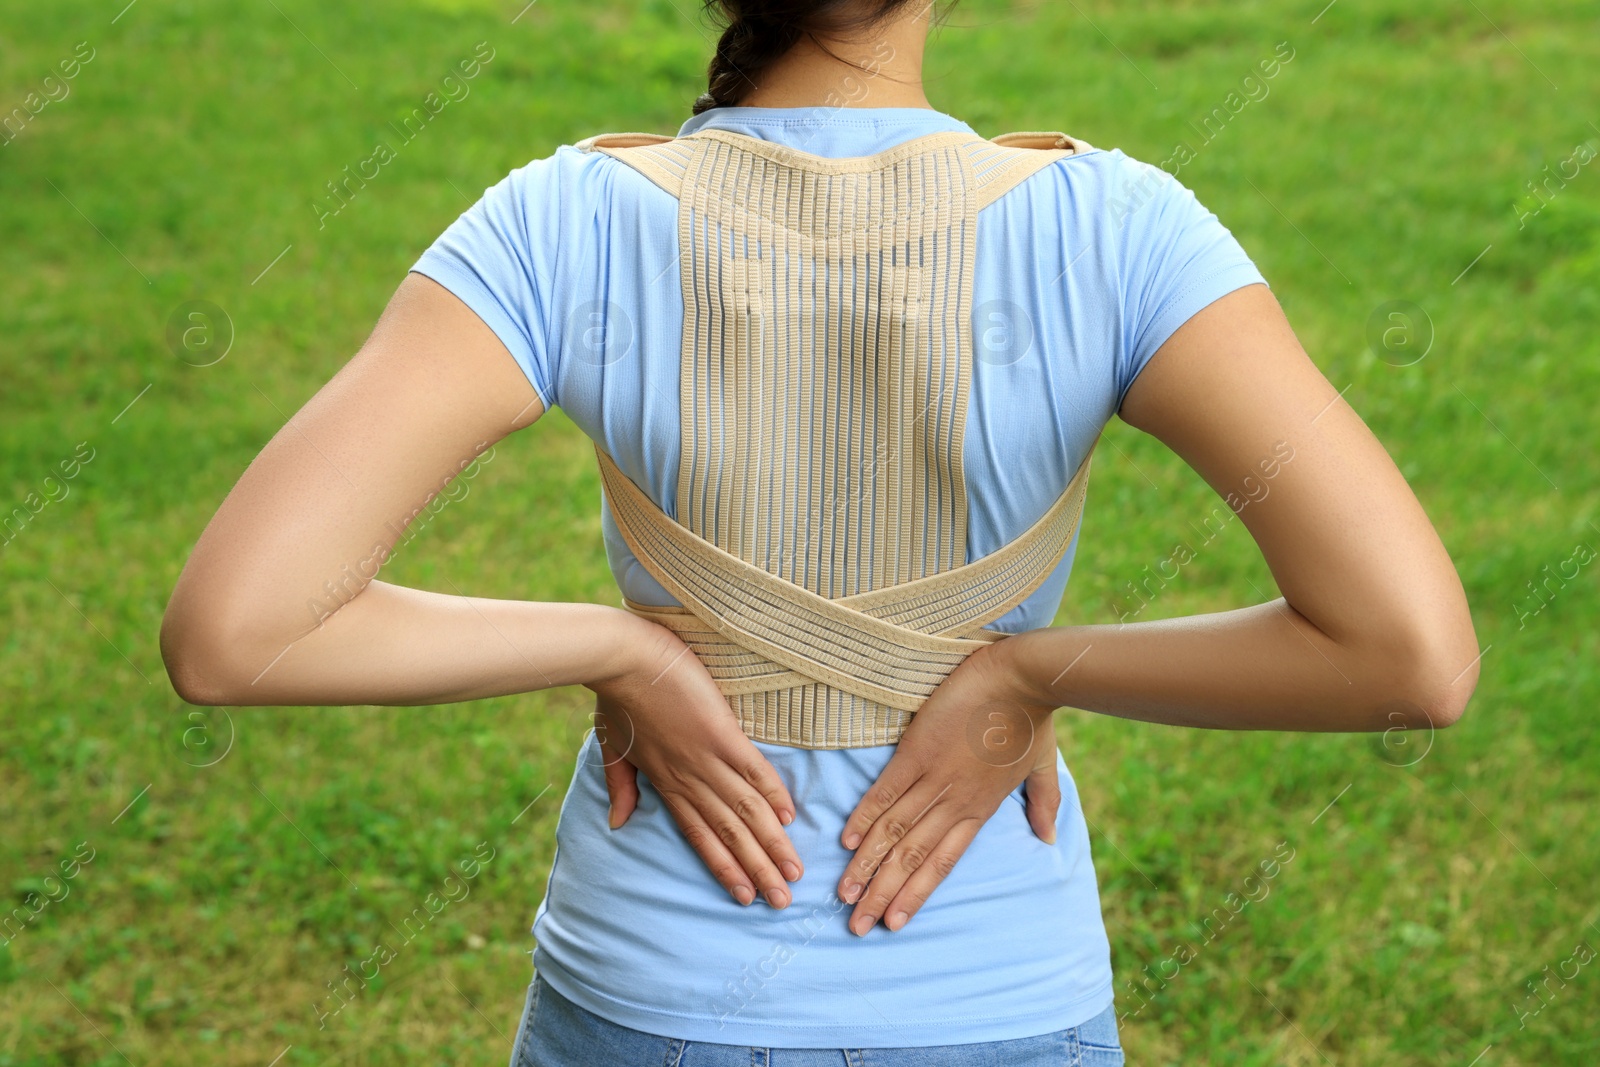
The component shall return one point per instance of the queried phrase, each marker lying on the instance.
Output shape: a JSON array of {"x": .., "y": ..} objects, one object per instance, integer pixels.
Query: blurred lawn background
[{"x": 242, "y": 858}]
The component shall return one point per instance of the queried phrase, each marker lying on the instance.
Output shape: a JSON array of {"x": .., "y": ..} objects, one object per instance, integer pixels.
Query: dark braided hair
[{"x": 761, "y": 31}]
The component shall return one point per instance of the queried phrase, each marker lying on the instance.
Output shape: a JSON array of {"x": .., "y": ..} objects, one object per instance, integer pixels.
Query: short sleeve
[
  {"x": 499, "y": 258},
  {"x": 1177, "y": 258}
]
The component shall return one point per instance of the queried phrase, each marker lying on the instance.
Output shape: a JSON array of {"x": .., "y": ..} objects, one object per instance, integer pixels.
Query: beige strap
[
  {"x": 999, "y": 163},
  {"x": 821, "y": 515},
  {"x": 888, "y": 645}
]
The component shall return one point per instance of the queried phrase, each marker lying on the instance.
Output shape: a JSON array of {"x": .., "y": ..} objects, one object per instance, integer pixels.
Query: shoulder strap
[
  {"x": 1041, "y": 139},
  {"x": 999, "y": 163},
  {"x": 660, "y": 157},
  {"x": 1004, "y": 162},
  {"x": 620, "y": 140}
]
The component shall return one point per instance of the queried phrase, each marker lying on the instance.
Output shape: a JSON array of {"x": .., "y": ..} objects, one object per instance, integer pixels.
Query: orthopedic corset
[{"x": 820, "y": 540}]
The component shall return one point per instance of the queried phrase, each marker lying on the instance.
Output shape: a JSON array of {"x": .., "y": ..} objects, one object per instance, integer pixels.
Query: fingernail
[
  {"x": 744, "y": 894},
  {"x": 861, "y": 926},
  {"x": 852, "y": 890},
  {"x": 790, "y": 871},
  {"x": 786, "y": 817},
  {"x": 1052, "y": 838},
  {"x": 851, "y": 840},
  {"x": 897, "y": 920},
  {"x": 611, "y": 816},
  {"x": 778, "y": 898}
]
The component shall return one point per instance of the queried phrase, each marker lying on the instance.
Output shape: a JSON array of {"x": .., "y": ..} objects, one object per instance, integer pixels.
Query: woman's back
[{"x": 1077, "y": 276}]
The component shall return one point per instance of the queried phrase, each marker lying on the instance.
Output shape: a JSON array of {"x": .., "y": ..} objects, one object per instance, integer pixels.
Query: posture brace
[{"x": 820, "y": 540}]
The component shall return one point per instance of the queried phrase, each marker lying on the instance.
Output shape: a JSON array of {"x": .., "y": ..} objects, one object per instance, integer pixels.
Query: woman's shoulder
[
  {"x": 565, "y": 161},
  {"x": 1111, "y": 172},
  {"x": 1128, "y": 194},
  {"x": 586, "y": 175}
]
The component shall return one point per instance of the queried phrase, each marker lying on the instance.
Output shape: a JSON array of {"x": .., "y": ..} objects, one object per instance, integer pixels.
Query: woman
[{"x": 812, "y": 879}]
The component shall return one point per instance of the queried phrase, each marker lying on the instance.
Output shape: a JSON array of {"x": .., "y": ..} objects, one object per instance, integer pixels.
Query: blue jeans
[{"x": 558, "y": 1033}]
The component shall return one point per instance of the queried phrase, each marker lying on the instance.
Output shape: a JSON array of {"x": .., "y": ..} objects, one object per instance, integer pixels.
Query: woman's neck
[{"x": 889, "y": 75}]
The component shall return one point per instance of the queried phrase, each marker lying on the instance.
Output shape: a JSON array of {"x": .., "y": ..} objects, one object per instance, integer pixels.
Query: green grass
[{"x": 216, "y": 908}]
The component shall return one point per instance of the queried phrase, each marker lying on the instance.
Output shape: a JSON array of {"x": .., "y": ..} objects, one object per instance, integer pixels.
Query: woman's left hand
[
  {"x": 975, "y": 739},
  {"x": 664, "y": 715}
]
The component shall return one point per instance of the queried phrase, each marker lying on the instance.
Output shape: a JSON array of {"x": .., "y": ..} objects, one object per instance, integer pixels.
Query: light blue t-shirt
[{"x": 1081, "y": 273}]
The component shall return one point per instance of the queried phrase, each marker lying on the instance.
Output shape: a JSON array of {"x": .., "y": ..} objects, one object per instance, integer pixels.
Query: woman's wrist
[
  {"x": 1037, "y": 665},
  {"x": 631, "y": 646}
]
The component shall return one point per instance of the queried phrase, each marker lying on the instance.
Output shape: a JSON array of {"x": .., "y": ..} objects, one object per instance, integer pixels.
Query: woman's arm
[
  {"x": 277, "y": 605},
  {"x": 1372, "y": 631}
]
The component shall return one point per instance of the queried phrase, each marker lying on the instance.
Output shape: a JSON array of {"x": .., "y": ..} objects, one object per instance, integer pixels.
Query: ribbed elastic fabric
[{"x": 826, "y": 361}]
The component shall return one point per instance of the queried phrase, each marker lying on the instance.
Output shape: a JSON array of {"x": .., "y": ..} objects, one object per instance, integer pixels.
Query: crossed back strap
[{"x": 819, "y": 547}]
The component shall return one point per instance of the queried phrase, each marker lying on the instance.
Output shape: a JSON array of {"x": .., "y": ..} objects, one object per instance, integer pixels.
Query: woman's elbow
[
  {"x": 192, "y": 674},
  {"x": 198, "y": 654},
  {"x": 1441, "y": 675}
]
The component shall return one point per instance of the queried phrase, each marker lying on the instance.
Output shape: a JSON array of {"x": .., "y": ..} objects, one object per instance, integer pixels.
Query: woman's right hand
[
  {"x": 664, "y": 715},
  {"x": 976, "y": 739}
]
